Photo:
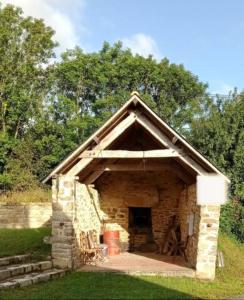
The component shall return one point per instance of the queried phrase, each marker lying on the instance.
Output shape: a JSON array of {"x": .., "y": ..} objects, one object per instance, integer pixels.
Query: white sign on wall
[{"x": 211, "y": 189}]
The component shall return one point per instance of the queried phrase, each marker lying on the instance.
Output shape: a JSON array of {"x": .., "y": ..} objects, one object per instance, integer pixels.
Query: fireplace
[
  {"x": 140, "y": 229},
  {"x": 140, "y": 218}
]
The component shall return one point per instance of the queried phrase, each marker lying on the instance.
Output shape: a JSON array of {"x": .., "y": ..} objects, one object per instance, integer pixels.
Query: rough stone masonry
[{"x": 78, "y": 207}]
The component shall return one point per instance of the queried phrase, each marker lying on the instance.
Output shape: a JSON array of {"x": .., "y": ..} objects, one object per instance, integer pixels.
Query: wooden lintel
[{"x": 129, "y": 154}]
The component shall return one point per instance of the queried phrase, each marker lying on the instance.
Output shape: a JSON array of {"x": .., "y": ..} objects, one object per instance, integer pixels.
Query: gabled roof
[{"x": 155, "y": 125}]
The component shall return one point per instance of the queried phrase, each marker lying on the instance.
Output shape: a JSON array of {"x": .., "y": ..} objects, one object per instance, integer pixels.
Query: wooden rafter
[
  {"x": 94, "y": 176},
  {"x": 105, "y": 142},
  {"x": 149, "y": 126}
]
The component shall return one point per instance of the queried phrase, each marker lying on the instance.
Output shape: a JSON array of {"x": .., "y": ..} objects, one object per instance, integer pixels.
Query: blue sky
[{"x": 207, "y": 37}]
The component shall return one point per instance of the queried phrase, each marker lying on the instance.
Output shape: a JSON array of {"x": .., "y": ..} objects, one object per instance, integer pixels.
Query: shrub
[
  {"x": 232, "y": 219},
  {"x": 19, "y": 171}
]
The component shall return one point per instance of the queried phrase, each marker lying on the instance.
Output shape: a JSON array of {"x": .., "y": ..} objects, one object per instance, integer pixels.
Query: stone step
[
  {"x": 16, "y": 259},
  {"x": 15, "y": 270},
  {"x": 32, "y": 278}
]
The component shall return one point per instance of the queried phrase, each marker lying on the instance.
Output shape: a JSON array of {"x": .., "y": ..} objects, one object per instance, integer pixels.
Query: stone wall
[
  {"x": 31, "y": 215},
  {"x": 173, "y": 198},
  {"x": 87, "y": 213},
  {"x": 63, "y": 238},
  {"x": 207, "y": 241},
  {"x": 120, "y": 190},
  {"x": 188, "y": 208},
  {"x": 75, "y": 209},
  {"x": 169, "y": 196},
  {"x": 202, "y": 244}
]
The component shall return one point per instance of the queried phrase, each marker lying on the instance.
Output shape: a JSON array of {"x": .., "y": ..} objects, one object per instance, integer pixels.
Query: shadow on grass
[{"x": 81, "y": 285}]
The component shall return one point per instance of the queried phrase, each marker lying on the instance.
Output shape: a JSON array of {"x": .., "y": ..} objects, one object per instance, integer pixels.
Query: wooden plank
[
  {"x": 134, "y": 167},
  {"x": 167, "y": 143},
  {"x": 108, "y": 139},
  {"x": 130, "y": 167},
  {"x": 129, "y": 154}
]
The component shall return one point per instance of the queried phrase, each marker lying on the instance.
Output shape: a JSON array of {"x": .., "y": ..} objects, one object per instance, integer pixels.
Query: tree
[
  {"x": 96, "y": 84},
  {"x": 220, "y": 137},
  {"x": 26, "y": 46}
]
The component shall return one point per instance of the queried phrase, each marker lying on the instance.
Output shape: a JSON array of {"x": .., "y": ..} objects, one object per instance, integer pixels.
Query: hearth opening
[
  {"x": 140, "y": 217},
  {"x": 140, "y": 229}
]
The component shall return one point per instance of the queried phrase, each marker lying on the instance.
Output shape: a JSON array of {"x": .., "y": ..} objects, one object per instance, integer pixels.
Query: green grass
[
  {"x": 21, "y": 241},
  {"x": 78, "y": 285}
]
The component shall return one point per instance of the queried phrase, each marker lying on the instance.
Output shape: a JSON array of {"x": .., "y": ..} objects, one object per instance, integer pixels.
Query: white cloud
[
  {"x": 142, "y": 44},
  {"x": 55, "y": 14}
]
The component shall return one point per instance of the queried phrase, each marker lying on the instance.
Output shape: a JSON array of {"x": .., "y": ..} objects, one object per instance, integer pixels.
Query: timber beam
[
  {"x": 129, "y": 154},
  {"x": 131, "y": 167},
  {"x": 105, "y": 142},
  {"x": 173, "y": 167},
  {"x": 165, "y": 141}
]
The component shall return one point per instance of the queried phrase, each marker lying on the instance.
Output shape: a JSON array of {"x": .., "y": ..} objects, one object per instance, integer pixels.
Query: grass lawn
[
  {"x": 21, "y": 241},
  {"x": 78, "y": 285}
]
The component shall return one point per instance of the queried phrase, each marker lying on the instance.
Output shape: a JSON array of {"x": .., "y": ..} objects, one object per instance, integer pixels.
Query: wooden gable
[{"x": 132, "y": 136}]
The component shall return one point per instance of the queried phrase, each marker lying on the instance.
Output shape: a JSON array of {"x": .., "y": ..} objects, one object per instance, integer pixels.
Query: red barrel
[{"x": 111, "y": 238}]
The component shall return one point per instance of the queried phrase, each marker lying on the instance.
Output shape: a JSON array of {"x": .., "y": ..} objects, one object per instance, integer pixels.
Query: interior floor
[{"x": 143, "y": 263}]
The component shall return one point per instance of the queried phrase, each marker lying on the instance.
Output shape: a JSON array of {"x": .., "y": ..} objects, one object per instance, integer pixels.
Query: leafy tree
[
  {"x": 25, "y": 46},
  {"x": 220, "y": 136},
  {"x": 98, "y": 83}
]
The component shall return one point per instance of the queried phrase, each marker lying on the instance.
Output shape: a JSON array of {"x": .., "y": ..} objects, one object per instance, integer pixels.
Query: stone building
[{"x": 133, "y": 175}]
